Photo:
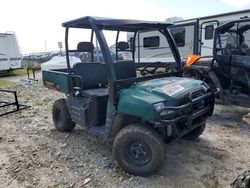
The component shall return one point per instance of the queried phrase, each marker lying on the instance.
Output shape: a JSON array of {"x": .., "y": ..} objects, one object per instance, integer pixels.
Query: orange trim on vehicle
[{"x": 191, "y": 59}]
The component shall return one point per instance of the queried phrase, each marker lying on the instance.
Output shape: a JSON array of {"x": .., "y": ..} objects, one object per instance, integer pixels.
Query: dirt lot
[{"x": 34, "y": 154}]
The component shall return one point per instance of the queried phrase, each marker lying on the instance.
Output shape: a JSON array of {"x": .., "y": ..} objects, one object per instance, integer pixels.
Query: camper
[
  {"x": 149, "y": 47},
  {"x": 196, "y": 36},
  {"x": 10, "y": 56},
  {"x": 192, "y": 36}
]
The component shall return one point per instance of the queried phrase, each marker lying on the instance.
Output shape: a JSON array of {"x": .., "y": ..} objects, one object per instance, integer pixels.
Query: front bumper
[{"x": 193, "y": 113}]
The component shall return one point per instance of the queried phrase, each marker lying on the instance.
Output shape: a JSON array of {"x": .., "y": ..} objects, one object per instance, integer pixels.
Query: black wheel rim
[{"x": 139, "y": 153}]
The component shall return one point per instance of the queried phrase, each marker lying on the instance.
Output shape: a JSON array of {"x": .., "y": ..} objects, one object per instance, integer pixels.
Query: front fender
[{"x": 138, "y": 104}]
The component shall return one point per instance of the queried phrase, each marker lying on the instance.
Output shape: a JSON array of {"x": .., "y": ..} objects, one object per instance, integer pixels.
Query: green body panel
[
  {"x": 168, "y": 87},
  {"x": 56, "y": 80},
  {"x": 138, "y": 100}
]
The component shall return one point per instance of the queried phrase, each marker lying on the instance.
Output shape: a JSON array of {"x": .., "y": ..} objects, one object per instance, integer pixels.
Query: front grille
[
  {"x": 193, "y": 107},
  {"x": 198, "y": 93},
  {"x": 201, "y": 103}
]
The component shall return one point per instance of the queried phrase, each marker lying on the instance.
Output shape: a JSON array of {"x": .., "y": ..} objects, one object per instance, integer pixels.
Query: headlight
[
  {"x": 159, "y": 106},
  {"x": 166, "y": 112}
]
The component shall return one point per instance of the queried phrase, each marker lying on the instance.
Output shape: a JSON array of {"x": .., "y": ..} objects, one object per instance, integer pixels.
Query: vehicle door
[
  {"x": 240, "y": 62},
  {"x": 225, "y": 46},
  {"x": 207, "y": 37}
]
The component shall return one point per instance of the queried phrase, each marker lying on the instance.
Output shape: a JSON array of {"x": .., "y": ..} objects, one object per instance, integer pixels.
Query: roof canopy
[
  {"x": 115, "y": 24},
  {"x": 228, "y": 25}
]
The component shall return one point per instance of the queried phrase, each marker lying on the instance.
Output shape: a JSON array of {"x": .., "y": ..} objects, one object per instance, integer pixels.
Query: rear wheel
[
  {"x": 61, "y": 116},
  {"x": 139, "y": 150},
  {"x": 195, "y": 133}
]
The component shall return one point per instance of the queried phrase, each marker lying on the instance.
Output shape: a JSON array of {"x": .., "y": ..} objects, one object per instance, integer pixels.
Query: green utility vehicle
[{"x": 138, "y": 103}]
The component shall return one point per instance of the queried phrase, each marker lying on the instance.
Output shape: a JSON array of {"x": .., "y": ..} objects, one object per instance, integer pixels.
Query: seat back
[
  {"x": 125, "y": 69},
  {"x": 85, "y": 47},
  {"x": 93, "y": 75},
  {"x": 122, "y": 46}
]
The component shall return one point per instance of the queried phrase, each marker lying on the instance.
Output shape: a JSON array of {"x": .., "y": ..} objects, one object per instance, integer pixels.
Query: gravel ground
[{"x": 34, "y": 154}]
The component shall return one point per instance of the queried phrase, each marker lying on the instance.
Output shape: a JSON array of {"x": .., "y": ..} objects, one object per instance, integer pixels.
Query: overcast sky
[{"x": 36, "y": 21}]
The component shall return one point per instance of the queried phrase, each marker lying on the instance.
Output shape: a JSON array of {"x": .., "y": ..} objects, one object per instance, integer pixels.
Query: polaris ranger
[
  {"x": 136, "y": 105},
  {"x": 228, "y": 71}
]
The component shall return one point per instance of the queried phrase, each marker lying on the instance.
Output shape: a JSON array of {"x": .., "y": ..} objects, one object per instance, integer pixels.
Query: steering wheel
[{"x": 145, "y": 70}]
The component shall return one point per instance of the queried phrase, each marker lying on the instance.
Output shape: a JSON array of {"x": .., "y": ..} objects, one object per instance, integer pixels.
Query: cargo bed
[{"x": 57, "y": 80}]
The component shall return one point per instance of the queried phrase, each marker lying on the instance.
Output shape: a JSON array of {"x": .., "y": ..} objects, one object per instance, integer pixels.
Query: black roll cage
[
  {"x": 98, "y": 24},
  {"x": 221, "y": 27}
]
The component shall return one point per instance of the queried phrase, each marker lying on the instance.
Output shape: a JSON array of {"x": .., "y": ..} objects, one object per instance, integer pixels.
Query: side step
[
  {"x": 99, "y": 131},
  {"x": 238, "y": 100}
]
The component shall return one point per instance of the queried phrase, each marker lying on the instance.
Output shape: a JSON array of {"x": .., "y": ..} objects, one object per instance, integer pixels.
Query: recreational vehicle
[
  {"x": 150, "y": 46},
  {"x": 10, "y": 57},
  {"x": 196, "y": 36},
  {"x": 192, "y": 36}
]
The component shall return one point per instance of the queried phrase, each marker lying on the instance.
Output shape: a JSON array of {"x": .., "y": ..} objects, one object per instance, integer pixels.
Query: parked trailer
[
  {"x": 10, "y": 56},
  {"x": 196, "y": 36},
  {"x": 192, "y": 36}
]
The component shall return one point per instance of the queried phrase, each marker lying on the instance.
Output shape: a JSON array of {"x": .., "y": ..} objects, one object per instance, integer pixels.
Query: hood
[
  {"x": 139, "y": 98},
  {"x": 165, "y": 88}
]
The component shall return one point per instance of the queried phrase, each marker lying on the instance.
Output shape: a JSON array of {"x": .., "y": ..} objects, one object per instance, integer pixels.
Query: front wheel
[{"x": 139, "y": 150}]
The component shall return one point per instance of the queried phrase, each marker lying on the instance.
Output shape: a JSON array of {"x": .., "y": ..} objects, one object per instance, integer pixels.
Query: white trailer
[
  {"x": 196, "y": 36},
  {"x": 150, "y": 46},
  {"x": 192, "y": 36},
  {"x": 10, "y": 56}
]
